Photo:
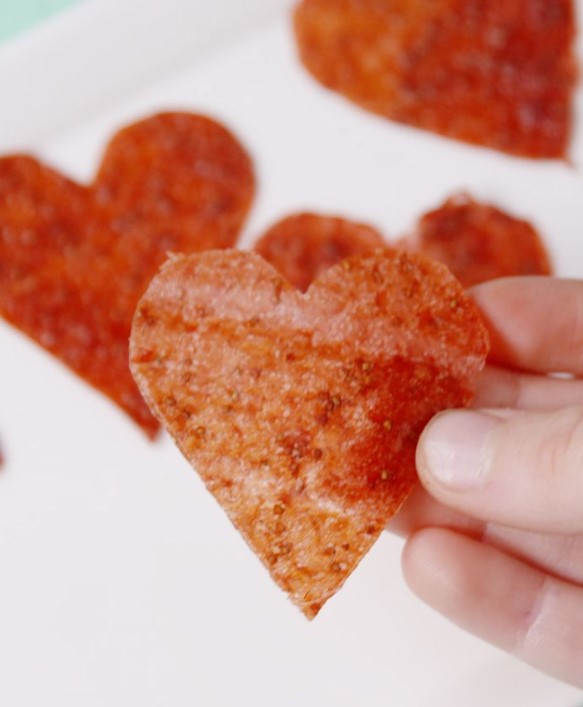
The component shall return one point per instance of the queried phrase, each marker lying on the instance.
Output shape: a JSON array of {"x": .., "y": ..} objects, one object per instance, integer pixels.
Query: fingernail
[{"x": 454, "y": 448}]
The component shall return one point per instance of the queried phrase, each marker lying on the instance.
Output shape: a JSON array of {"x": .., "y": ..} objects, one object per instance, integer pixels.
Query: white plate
[{"x": 122, "y": 581}]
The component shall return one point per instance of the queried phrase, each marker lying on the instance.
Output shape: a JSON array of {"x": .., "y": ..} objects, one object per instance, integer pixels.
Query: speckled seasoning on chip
[
  {"x": 301, "y": 412},
  {"x": 479, "y": 242},
  {"x": 302, "y": 246},
  {"x": 493, "y": 73},
  {"x": 75, "y": 260}
]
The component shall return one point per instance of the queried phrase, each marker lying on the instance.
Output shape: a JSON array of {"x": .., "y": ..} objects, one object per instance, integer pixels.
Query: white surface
[
  {"x": 122, "y": 582},
  {"x": 99, "y": 50}
]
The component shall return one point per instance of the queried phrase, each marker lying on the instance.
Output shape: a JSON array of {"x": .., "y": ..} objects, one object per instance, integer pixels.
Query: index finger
[{"x": 535, "y": 323}]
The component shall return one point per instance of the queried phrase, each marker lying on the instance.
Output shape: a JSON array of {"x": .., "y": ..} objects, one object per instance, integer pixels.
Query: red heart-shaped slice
[
  {"x": 301, "y": 412},
  {"x": 302, "y": 246},
  {"x": 75, "y": 260},
  {"x": 479, "y": 242},
  {"x": 496, "y": 73}
]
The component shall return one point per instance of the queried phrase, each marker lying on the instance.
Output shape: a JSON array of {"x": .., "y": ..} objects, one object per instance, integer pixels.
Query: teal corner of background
[{"x": 16, "y": 16}]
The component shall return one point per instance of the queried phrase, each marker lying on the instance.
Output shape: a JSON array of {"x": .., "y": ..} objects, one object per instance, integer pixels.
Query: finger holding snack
[
  {"x": 496, "y": 536},
  {"x": 301, "y": 412}
]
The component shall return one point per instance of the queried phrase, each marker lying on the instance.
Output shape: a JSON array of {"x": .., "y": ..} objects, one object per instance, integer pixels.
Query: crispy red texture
[
  {"x": 75, "y": 260},
  {"x": 304, "y": 245},
  {"x": 301, "y": 412},
  {"x": 479, "y": 242},
  {"x": 490, "y": 72}
]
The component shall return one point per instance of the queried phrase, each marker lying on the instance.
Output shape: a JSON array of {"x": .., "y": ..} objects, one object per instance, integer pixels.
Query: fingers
[
  {"x": 535, "y": 323},
  {"x": 500, "y": 599},
  {"x": 510, "y": 480},
  {"x": 523, "y": 469},
  {"x": 421, "y": 510},
  {"x": 561, "y": 555},
  {"x": 556, "y": 553},
  {"x": 498, "y": 387}
]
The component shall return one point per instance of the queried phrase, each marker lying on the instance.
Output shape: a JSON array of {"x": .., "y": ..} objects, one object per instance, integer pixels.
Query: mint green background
[{"x": 18, "y": 15}]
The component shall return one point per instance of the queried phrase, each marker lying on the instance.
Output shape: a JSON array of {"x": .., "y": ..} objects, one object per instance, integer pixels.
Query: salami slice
[
  {"x": 301, "y": 412},
  {"x": 302, "y": 246},
  {"x": 75, "y": 260},
  {"x": 479, "y": 242},
  {"x": 489, "y": 72}
]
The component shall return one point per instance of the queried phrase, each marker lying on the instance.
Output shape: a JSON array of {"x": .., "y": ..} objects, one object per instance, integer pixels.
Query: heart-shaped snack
[
  {"x": 75, "y": 260},
  {"x": 303, "y": 245},
  {"x": 301, "y": 412},
  {"x": 489, "y": 72},
  {"x": 479, "y": 242}
]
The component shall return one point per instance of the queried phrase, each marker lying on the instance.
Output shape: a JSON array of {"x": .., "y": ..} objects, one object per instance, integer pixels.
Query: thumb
[{"x": 518, "y": 468}]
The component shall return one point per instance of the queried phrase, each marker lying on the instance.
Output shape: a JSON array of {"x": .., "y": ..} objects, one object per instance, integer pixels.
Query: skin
[{"x": 495, "y": 531}]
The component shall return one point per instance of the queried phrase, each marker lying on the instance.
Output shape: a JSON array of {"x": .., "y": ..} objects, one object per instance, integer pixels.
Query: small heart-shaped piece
[
  {"x": 479, "y": 242},
  {"x": 302, "y": 246},
  {"x": 301, "y": 412},
  {"x": 75, "y": 260},
  {"x": 489, "y": 72}
]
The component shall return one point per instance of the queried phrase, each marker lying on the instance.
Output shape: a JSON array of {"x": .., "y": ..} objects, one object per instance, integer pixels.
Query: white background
[{"x": 121, "y": 581}]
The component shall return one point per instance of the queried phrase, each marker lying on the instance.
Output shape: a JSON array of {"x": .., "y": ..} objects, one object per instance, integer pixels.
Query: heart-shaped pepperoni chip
[
  {"x": 489, "y": 72},
  {"x": 302, "y": 246},
  {"x": 476, "y": 241},
  {"x": 75, "y": 260},
  {"x": 479, "y": 242},
  {"x": 301, "y": 412}
]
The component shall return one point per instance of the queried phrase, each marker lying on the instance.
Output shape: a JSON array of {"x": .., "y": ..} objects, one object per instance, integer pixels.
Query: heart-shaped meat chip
[
  {"x": 302, "y": 246},
  {"x": 476, "y": 241},
  {"x": 75, "y": 260},
  {"x": 301, "y": 412},
  {"x": 489, "y": 72},
  {"x": 479, "y": 242}
]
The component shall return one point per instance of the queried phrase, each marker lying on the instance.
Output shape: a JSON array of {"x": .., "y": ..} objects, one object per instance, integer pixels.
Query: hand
[{"x": 496, "y": 534}]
